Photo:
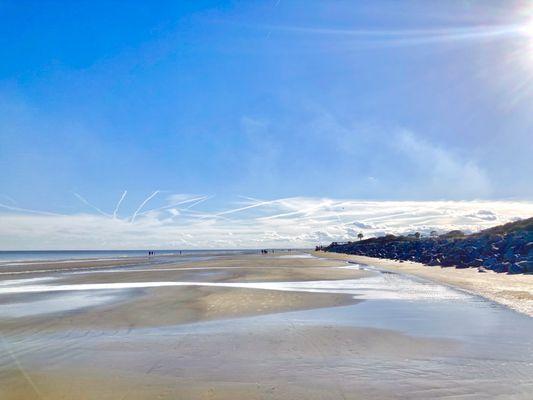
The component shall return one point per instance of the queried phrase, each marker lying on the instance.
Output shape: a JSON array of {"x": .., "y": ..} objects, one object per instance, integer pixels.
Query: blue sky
[{"x": 239, "y": 101}]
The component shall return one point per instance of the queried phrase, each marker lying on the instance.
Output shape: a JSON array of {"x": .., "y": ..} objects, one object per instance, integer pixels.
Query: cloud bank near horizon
[{"x": 182, "y": 223}]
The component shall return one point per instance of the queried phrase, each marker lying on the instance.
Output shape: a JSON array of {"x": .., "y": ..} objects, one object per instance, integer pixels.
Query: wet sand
[
  {"x": 160, "y": 306},
  {"x": 252, "y": 327},
  {"x": 290, "y": 362},
  {"x": 514, "y": 291}
]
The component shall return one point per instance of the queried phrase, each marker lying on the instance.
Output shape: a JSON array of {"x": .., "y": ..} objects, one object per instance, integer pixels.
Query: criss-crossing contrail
[
  {"x": 197, "y": 199},
  {"x": 296, "y": 212},
  {"x": 119, "y": 203},
  {"x": 84, "y": 201},
  {"x": 142, "y": 205}
]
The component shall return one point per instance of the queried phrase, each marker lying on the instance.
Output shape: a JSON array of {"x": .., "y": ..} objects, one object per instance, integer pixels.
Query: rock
[
  {"x": 526, "y": 266},
  {"x": 477, "y": 262},
  {"x": 516, "y": 269},
  {"x": 506, "y": 248},
  {"x": 489, "y": 262},
  {"x": 501, "y": 267}
]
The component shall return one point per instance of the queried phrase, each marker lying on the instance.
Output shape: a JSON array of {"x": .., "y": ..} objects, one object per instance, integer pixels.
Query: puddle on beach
[
  {"x": 298, "y": 256},
  {"x": 63, "y": 302},
  {"x": 23, "y": 282}
]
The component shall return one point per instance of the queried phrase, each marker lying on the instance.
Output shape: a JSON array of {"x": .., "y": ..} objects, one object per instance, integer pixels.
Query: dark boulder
[
  {"x": 516, "y": 268},
  {"x": 505, "y": 248},
  {"x": 501, "y": 267}
]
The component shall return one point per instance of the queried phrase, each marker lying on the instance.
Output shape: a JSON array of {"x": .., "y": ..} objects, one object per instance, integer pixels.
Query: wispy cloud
[
  {"x": 444, "y": 172},
  {"x": 285, "y": 222},
  {"x": 406, "y": 37},
  {"x": 10, "y": 199}
]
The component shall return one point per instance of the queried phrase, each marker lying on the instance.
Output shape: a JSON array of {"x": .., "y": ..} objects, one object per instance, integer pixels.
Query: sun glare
[{"x": 527, "y": 28}]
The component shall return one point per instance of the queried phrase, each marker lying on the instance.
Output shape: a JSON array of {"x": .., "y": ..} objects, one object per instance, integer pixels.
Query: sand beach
[
  {"x": 252, "y": 326},
  {"x": 514, "y": 291}
]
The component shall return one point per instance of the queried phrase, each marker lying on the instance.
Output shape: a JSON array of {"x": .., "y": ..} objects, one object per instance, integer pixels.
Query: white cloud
[
  {"x": 362, "y": 225},
  {"x": 446, "y": 173},
  {"x": 286, "y": 222},
  {"x": 484, "y": 215}
]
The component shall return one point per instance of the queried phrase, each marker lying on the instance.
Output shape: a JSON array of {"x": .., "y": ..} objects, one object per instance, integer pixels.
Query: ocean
[{"x": 7, "y": 257}]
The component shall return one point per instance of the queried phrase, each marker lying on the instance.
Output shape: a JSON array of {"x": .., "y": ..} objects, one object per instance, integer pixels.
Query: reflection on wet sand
[{"x": 245, "y": 326}]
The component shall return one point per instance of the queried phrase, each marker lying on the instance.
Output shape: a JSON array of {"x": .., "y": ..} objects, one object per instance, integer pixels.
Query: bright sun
[{"x": 527, "y": 29}]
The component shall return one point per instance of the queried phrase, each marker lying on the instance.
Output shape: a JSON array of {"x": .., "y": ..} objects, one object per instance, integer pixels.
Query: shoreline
[{"x": 512, "y": 291}]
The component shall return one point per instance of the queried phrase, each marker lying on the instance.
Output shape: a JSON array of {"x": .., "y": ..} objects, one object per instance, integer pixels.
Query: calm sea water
[{"x": 57, "y": 255}]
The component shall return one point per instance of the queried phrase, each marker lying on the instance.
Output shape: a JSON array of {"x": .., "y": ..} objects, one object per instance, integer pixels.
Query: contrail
[
  {"x": 142, "y": 205},
  {"x": 262, "y": 203},
  {"x": 275, "y": 5},
  {"x": 205, "y": 215},
  {"x": 301, "y": 211},
  {"x": 251, "y": 198},
  {"x": 90, "y": 205},
  {"x": 173, "y": 205},
  {"x": 198, "y": 202},
  {"x": 119, "y": 203},
  {"x": 28, "y": 210}
]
